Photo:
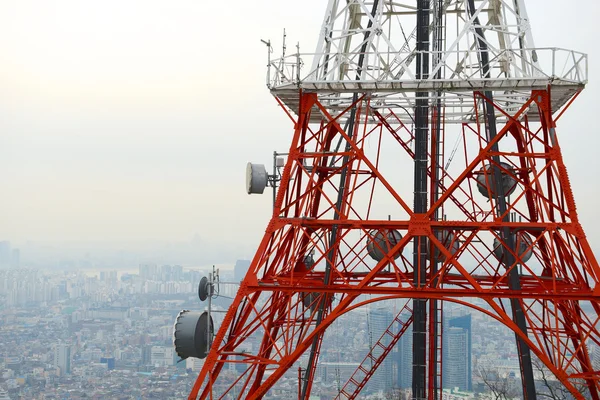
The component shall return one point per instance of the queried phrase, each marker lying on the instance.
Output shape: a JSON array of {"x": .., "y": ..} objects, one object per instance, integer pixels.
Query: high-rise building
[
  {"x": 162, "y": 356},
  {"x": 4, "y": 394},
  {"x": 148, "y": 271},
  {"x": 166, "y": 272},
  {"x": 403, "y": 357},
  {"x": 595, "y": 352},
  {"x": 456, "y": 354},
  {"x": 177, "y": 273},
  {"x": 16, "y": 258},
  {"x": 146, "y": 358},
  {"x": 240, "y": 269},
  {"x": 195, "y": 364},
  {"x": 13, "y": 363},
  {"x": 109, "y": 361},
  {"x": 62, "y": 358},
  {"x": 380, "y": 320}
]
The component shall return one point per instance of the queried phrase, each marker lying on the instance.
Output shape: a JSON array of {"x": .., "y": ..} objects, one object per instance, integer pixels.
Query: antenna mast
[{"x": 388, "y": 84}]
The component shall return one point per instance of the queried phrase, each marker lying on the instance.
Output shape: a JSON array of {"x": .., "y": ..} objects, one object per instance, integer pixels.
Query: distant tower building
[
  {"x": 177, "y": 273},
  {"x": 166, "y": 273},
  {"x": 146, "y": 354},
  {"x": 456, "y": 358},
  {"x": 380, "y": 320},
  {"x": 148, "y": 271},
  {"x": 403, "y": 357},
  {"x": 62, "y": 358},
  {"x": 194, "y": 277},
  {"x": 240, "y": 269}
]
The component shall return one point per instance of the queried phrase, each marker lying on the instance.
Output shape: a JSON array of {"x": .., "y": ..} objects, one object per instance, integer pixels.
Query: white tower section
[{"x": 385, "y": 38}]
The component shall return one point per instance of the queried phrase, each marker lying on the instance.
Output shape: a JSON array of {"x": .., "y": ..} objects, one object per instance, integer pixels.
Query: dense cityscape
[{"x": 108, "y": 334}]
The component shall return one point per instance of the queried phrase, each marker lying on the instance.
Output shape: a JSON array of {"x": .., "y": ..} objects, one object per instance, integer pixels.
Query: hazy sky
[{"x": 134, "y": 119}]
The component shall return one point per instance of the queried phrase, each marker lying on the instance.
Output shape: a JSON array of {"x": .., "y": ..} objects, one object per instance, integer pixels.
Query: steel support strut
[
  {"x": 436, "y": 173},
  {"x": 527, "y": 377},
  {"x": 342, "y": 227},
  {"x": 331, "y": 256},
  {"x": 420, "y": 245},
  {"x": 269, "y": 325}
]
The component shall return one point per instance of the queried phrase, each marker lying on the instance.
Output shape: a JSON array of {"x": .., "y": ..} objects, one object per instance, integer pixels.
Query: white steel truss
[{"x": 383, "y": 34}]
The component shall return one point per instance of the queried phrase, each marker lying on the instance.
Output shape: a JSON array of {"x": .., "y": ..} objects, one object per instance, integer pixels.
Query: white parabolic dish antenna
[{"x": 256, "y": 178}]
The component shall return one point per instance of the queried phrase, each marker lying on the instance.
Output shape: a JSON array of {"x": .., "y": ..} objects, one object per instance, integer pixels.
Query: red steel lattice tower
[{"x": 425, "y": 165}]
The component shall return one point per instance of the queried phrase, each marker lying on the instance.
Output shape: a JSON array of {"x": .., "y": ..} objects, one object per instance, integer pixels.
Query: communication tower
[{"x": 424, "y": 165}]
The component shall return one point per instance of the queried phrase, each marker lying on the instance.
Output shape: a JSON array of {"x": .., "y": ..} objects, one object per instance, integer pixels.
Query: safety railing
[{"x": 524, "y": 65}]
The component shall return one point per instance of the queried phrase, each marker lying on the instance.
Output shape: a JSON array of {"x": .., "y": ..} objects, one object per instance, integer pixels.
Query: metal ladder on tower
[
  {"x": 436, "y": 354},
  {"x": 436, "y": 306},
  {"x": 377, "y": 354}
]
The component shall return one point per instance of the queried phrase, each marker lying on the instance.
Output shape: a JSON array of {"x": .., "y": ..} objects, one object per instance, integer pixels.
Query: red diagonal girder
[{"x": 269, "y": 303}]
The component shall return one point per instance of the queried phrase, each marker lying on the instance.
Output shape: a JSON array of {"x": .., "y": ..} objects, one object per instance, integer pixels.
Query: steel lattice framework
[{"x": 519, "y": 248}]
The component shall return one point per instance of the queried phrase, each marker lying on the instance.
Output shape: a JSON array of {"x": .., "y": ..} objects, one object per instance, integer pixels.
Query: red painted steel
[{"x": 270, "y": 325}]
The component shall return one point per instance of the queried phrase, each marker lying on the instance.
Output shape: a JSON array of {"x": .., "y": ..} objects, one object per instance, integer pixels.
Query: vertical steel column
[
  {"x": 508, "y": 238},
  {"x": 435, "y": 306},
  {"x": 419, "y": 384},
  {"x": 314, "y": 350}
]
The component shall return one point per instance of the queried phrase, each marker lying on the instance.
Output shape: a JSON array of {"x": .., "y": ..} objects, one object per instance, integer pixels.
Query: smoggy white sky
[{"x": 134, "y": 119}]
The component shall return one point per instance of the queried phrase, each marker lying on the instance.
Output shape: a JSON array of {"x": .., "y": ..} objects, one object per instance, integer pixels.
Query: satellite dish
[
  {"x": 381, "y": 242},
  {"x": 256, "y": 178},
  {"x": 203, "y": 288},
  {"x": 486, "y": 183},
  {"x": 190, "y": 335},
  {"x": 308, "y": 299},
  {"x": 450, "y": 242},
  {"x": 522, "y": 242}
]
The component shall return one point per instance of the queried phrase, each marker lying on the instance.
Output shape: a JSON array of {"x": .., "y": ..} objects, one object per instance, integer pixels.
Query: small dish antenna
[
  {"x": 380, "y": 243},
  {"x": 522, "y": 242},
  {"x": 194, "y": 331},
  {"x": 203, "y": 289},
  {"x": 256, "y": 178},
  {"x": 486, "y": 183}
]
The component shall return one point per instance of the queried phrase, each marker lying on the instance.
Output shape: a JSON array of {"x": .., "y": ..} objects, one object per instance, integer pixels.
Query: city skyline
[
  {"x": 107, "y": 323},
  {"x": 126, "y": 130}
]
